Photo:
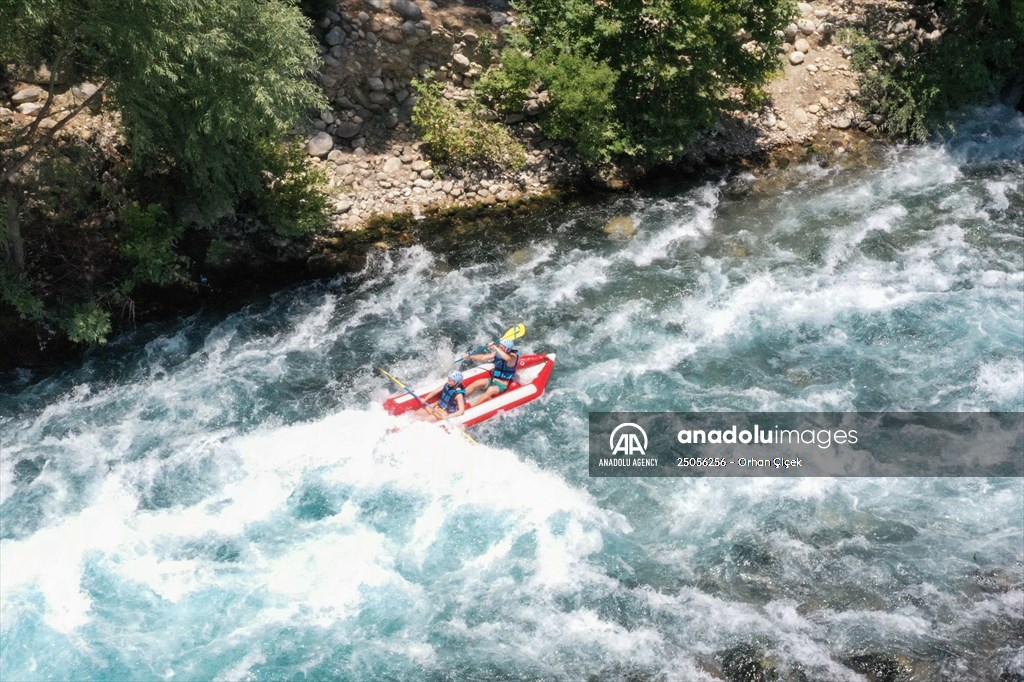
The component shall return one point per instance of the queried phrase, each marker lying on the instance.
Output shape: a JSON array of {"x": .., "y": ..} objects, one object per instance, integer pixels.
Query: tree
[
  {"x": 199, "y": 84},
  {"x": 671, "y": 62}
]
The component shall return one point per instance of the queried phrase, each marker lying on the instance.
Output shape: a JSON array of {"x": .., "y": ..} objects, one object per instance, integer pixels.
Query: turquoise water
[{"x": 222, "y": 498}]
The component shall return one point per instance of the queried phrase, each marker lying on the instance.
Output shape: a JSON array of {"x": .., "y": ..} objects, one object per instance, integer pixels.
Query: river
[{"x": 221, "y": 497}]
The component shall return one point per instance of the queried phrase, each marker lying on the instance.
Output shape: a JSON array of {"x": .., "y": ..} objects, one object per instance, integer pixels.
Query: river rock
[
  {"x": 407, "y": 9},
  {"x": 83, "y": 91},
  {"x": 790, "y": 31},
  {"x": 335, "y": 36},
  {"x": 392, "y": 165},
  {"x": 26, "y": 95},
  {"x": 347, "y": 129},
  {"x": 470, "y": 37},
  {"x": 805, "y": 8},
  {"x": 5, "y": 112},
  {"x": 796, "y": 57},
  {"x": 392, "y": 36},
  {"x": 806, "y": 26},
  {"x": 320, "y": 144},
  {"x": 374, "y": 5},
  {"x": 29, "y": 108},
  {"x": 801, "y": 45},
  {"x": 842, "y": 123},
  {"x": 621, "y": 227},
  {"x": 461, "y": 62},
  {"x": 375, "y": 83}
]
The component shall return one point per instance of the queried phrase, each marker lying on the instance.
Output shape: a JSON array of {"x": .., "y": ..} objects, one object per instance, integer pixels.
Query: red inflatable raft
[{"x": 529, "y": 383}]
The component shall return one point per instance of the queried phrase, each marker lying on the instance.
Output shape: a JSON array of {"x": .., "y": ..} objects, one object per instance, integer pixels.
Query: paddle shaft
[
  {"x": 513, "y": 333},
  {"x": 430, "y": 408}
]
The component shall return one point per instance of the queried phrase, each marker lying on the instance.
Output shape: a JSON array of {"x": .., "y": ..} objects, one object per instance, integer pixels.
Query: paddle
[
  {"x": 513, "y": 333},
  {"x": 430, "y": 408}
]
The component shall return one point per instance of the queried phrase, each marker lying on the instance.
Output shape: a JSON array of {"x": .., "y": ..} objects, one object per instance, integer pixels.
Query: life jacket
[
  {"x": 502, "y": 370},
  {"x": 447, "y": 401}
]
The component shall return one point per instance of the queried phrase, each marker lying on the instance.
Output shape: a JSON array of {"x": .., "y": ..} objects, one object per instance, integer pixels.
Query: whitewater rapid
[{"x": 222, "y": 497}]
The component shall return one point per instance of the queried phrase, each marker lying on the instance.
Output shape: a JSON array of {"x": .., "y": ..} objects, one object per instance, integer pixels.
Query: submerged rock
[
  {"x": 880, "y": 667},
  {"x": 747, "y": 663},
  {"x": 621, "y": 227}
]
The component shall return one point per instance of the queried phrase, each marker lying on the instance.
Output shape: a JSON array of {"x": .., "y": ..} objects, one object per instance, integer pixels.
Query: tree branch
[{"x": 45, "y": 138}]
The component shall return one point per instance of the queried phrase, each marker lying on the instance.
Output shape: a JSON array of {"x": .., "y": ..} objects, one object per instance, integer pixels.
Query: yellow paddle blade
[{"x": 516, "y": 332}]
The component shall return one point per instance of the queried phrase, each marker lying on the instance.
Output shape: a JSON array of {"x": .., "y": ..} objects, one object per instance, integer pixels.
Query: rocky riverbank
[
  {"x": 380, "y": 178},
  {"x": 373, "y": 49}
]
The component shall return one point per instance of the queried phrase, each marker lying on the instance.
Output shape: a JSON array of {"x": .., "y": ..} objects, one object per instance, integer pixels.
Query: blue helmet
[
  {"x": 455, "y": 376},
  {"x": 506, "y": 344}
]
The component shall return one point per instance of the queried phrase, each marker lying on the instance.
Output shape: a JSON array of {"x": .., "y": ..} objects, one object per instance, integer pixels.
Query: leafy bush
[
  {"x": 640, "y": 78},
  {"x": 87, "y": 323},
  {"x": 461, "y": 137},
  {"x": 147, "y": 243},
  {"x": 216, "y": 252},
  {"x": 294, "y": 197},
  {"x": 581, "y": 91},
  {"x": 918, "y": 89},
  {"x": 15, "y": 292}
]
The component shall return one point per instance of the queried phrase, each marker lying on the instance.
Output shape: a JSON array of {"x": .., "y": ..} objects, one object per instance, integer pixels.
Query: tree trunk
[{"x": 12, "y": 227}]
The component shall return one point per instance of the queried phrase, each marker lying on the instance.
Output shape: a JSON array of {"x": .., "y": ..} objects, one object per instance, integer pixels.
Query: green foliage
[
  {"x": 293, "y": 199},
  {"x": 645, "y": 77},
  {"x": 917, "y": 90},
  {"x": 87, "y": 323},
  {"x": 581, "y": 93},
  {"x": 461, "y": 137},
  {"x": 216, "y": 252},
  {"x": 507, "y": 85},
  {"x": 485, "y": 49},
  {"x": 15, "y": 292},
  {"x": 865, "y": 50},
  {"x": 207, "y": 93},
  {"x": 147, "y": 240},
  {"x": 197, "y": 84}
]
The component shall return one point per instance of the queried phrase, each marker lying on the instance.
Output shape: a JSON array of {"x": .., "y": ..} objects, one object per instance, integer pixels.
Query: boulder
[
  {"x": 347, "y": 129},
  {"x": 335, "y": 36},
  {"x": 806, "y": 26},
  {"x": 461, "y": 62},
  {"x": 801, "y": 45},
  {"x": 407, "y": 9},
  {"x": 83, "y": 91},
  {"x": 374, "y": 5},
  {"x": 796, "y": 57},
  {"x": 29, "y": 108},
  {"x": 621, "y": 227},
  {"x": 320, "y": 144},
  {"x": 26, "y": 95}
]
